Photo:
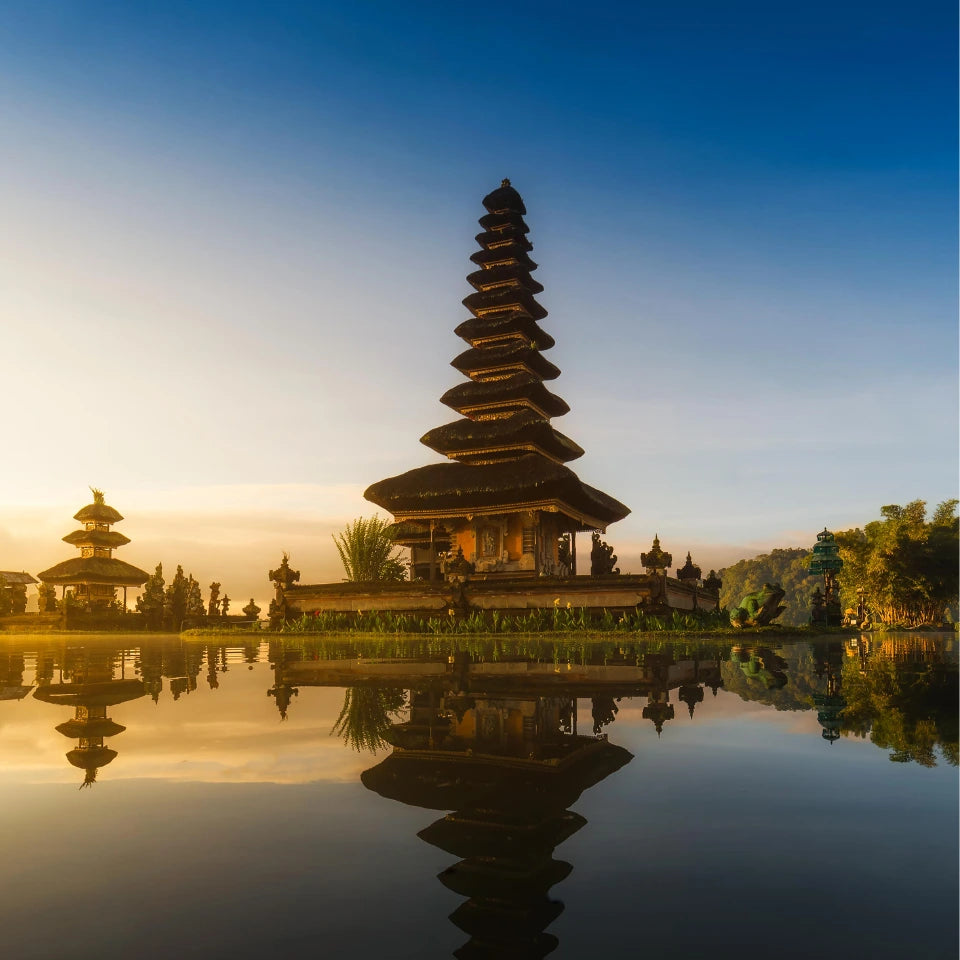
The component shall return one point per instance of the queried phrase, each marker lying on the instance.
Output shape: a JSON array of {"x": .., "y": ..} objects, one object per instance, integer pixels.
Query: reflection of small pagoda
[
  {"x": 96, "y": 573},
  {"x": 504, "y": 496},
  {"x": 509, "y": 769},
  {"x": 91, "y": 691}
]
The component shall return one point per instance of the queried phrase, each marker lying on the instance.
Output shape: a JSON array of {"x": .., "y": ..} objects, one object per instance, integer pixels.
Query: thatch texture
[
  {"x": 515, "y": 388},
  {"x": 510, "y": 251},
  {"x": 96, "y": 538},
  {"x": 503, "y": 298},
  {"x": 507, "y": 272},
  {"x": 511, "y": 485},
  {"x": 504, "y": 199},
  {"x": 478, "y": 359},
  {"x": 523, "y": 429},
  {"x": 503, "y": 325},
  {"x": 106, "y": 570},
  {"x": 97, "y": 513}
]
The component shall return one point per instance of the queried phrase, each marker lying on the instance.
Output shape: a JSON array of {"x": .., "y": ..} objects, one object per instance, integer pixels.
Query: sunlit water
[{"x": 177, "y": 798}]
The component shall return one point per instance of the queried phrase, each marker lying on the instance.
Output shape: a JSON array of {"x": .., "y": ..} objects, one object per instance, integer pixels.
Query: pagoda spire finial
[
  {"x": 97, "y": 495},
  {"x": 505, "y": 182}
]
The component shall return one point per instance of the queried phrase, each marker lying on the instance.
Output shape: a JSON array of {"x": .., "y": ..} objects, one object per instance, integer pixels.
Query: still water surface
[{"x": 410, "y": 798}]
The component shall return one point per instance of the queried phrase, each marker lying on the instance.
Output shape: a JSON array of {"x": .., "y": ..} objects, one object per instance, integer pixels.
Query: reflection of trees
[
  {"x": 907, "y": 708},
  {"x": 900, "y": 694},
  {"x": 365, "y": 716}
]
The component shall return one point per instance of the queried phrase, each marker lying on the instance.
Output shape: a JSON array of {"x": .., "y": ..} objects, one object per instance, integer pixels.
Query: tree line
[{"x": 905, "y": 564}]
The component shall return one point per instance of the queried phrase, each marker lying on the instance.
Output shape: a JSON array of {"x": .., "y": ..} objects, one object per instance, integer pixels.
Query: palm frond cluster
[{"x": 367, "y": 552}]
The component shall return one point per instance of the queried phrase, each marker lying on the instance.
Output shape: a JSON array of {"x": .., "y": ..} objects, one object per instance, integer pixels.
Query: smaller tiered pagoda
[{"x": 96, "y": 574}]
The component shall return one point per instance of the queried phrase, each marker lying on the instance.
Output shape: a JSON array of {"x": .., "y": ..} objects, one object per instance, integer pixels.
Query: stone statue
[
  {"x": 657, "y": 560},
  {"x": 713, "y": 582},
  {"x": 251, "y": 611},
  {"x": 689, "y": 571},
  {"x": 818, "y": 607},
  {"x": 224, "y": 605},
  {"x": 459, "y": 568},
  {"x": 213, "y": 607},
  {"x": 760, "y": 608},
  {"x": 284, "y": 576},
  {"x": 602, "y": 558}
]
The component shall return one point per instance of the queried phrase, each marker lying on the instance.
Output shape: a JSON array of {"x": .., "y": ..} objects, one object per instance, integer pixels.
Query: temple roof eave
[
  {"x": 528, "y": 483},
  {"x": 100, "y": 570}
]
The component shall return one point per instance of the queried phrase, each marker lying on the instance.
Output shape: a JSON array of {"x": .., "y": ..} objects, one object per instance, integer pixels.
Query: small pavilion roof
[
  {"x": 103, "y": 693},
  {"x": 91, "y": 727},
  {"x": 511, "y": 324},
  {"x": 108, "y": 570},
  {"x": 96, "y": 538},
  {"x": 97, "y": 512},
  {"x": 514, "y": 273},
  {"x": 504, "y": 298},
  {"x": 12, "y": 577}
]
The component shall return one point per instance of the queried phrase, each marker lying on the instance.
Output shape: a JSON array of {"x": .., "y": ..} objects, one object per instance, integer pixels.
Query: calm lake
[{"x": 472, "y": 798}]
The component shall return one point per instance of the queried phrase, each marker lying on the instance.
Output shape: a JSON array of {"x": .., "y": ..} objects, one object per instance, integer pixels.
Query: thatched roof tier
[
  {"x": 504, "y": 253},
  {"x": 106, "y": 570},
  {"x": 103, "y": 693},
  {"x": 521, "y": 390},
  {"x": 412, "y": 533},
  {"x": 512, "y": 273},
  {"x": 501, "y": 239},
  {"x": 97, "y": 513},
  {"x": 504, "y": 198},
  {"x": 504, "y": 298},
  {"x": 454, "y": 780},
  {"x": 530, "y": 483},
  {"x": 510, "y": 324},
  {"x": 506, "y": 438},
  {"x": 498, "y": 833},
  {"x": 513, "y": 356},
  {"x": 91, "y": 727},
  {"x": 497, "y": 221},
  {"x": 11, "y": 577},
  {"x": 96, "y": 538},
  {"x": 91, "y": 759}
]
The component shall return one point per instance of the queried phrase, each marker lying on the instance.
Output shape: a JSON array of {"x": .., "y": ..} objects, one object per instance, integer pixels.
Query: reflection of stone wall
[{"x": 506, "y": 594}]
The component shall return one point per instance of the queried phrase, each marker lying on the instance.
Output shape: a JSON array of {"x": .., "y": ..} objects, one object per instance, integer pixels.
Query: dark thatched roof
[
  {"x": 519, "y": 386},
  {"x": 91, "y": 727},
  {"x": 490, "y": 221},
  {"x": 416, "y": 533},
  {"x": 523, "y": 428},
  {"x": 96, "y": 538},
  {"x": 504, "y": 198},
  {"x": 91, "y": 758},
  {"x": 106, "y": 570},
  {"x": 441, "y": 780},
  {"x": 497, "y": 237},
  {"x": 510, "y": 485},
  {"x": 97, "y": 513},
  {"x": 11, "y": 577},
  {"x": 513, "y": 272},
  {"x": 503, "y": 298},
  {"x": 503, "y": 324},
  {"x": 512, "y": 251},
  {"x": 103, "y": 693},
  {"x": 496, "y": 355}
]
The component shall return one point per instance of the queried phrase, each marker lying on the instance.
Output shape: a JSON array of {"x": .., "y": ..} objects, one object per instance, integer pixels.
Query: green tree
[
  {"x": 786, "y": 566},
  {"x": 150, "y": 601},
  {"x": 175, "y": 601},
  {"x": 364, "y": 720},
  {"x": 367, "y": 552},
  {"x": 194, "y": 605},
  {"x": 906, "y": 565}
]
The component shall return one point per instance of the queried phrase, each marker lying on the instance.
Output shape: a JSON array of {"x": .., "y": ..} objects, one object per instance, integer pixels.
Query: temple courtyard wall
[{"x": 618, "y": 593}]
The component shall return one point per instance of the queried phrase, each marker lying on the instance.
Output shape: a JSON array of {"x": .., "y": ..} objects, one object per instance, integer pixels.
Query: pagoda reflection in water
[
  {"x": 509, "y": 765},
  {"x": 90, "y": 690}
]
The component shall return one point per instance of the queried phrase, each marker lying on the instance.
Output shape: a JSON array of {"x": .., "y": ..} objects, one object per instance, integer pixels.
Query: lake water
[{"x": 470, "y": 798}]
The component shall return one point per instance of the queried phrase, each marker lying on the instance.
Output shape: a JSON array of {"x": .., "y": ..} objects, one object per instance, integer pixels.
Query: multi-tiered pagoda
[
  {"x": 96, "y": 574},
  {"x": 505, "y": 496}
]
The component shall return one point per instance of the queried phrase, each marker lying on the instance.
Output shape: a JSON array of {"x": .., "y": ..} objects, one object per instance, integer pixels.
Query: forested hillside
[{"x": 786, "y": 566}]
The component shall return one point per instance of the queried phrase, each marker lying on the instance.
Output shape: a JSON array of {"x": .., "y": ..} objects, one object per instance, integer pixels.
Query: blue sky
[{"x": 237, "y": 236}]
